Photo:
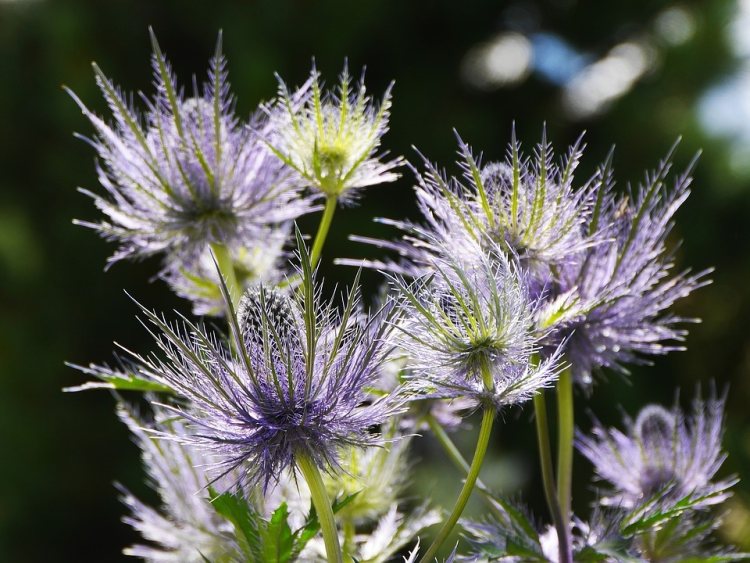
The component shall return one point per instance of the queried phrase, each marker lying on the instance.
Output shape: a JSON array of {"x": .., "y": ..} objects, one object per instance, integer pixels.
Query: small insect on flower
[
  {"x": 186, "y": 174},
  {"x": 188, "y": 528},
  {"x": 294, "y": 382},
  {"x": 663, "y": 454},
  {"x": 469, "y": 333},
  {"x": 330, "y": 139}
]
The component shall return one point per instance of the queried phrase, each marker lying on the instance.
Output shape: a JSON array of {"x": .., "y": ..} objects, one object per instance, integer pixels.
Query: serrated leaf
[
  {"x": 651, "y": 515},
  {"x": 247, "y": 523},
  {"x": 278, "y": 540},
  {"x": 517, "y": 517},
  {"x": 312, "y": 526}
]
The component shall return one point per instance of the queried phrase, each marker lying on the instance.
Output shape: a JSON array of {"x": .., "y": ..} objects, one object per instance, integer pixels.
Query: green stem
[
  {"x": 565, "y": 431},
  {"x": 325, "y": 224},
  {"x": 322, "y": 505},
  {"x": 548, "y": 478},
  {"x": 458, "y": 460},
  {"x": 488, "y": 418},
  {"x": 349, "y": 532},
  {"x": 226, "y": 267}
]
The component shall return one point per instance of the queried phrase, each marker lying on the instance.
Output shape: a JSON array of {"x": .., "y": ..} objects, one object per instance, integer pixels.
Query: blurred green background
[{"x": 635, "y": 74}]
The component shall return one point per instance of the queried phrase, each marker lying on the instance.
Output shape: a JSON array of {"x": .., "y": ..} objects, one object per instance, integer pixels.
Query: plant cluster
[{"x": 280, "y": 430}]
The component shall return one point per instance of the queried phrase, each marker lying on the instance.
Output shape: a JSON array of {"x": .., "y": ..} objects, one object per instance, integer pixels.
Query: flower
[
  {"x": 330, "y": 139},
  {"x": 626, "y": 283},
  {"x": 469, "y": 333},
  {"x": 186, "y": 174},
  {"x": 187, "y": 528},
  {"x": 293, "y": 383},
  {"x": 663, "y": 454},
  {"x": 528, "y": 207},
  {"x": 259, "y": 263}
]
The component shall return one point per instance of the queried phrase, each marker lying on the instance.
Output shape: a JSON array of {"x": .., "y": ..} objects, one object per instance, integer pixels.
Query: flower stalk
[
  {"x": 458, "y": 459},
  {"x": 488, "y": 417},
  {"x": 226, "y": 268},
  {"x": 565, "y": 431},
  {"x": 322, "y": 505},
  {"x": 548, "y": 479},
  {"x": 323, "y": 228}
]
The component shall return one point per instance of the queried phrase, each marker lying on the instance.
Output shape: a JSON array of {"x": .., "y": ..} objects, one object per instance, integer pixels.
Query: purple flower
[
  {"x": 187, "y": 173},
  {"x": 469, "y": 333},
  {"x": 663, "y": 453},
  {"x": 187, "y": 528},
  {"x": 626, "y": 283},
  {"x": 294, "y": 381},
  {"x": 529, "y": 207},
  {"x": 253, "y": 263}
]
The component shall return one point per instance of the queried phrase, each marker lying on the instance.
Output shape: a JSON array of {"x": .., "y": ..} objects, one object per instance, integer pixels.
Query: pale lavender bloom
[
  {"x": 186, "y": 528},
  {"x": 627, "y": 282},
  {"x": 662, "y": 454},
  {"x": 187, "y": 173},
  {"x": 293, "y": 383},
  {"x": 529, "y": 207},
  {"x": 330, "y": 138},
  {"x": 258, "y": 262},
  {"x": 469, "y": 333}
]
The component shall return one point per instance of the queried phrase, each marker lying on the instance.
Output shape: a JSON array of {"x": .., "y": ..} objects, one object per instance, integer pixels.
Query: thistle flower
[
  {"x": 331, "y": 139},
  {"x": 259, "y": 263},
  {"x": 293, "y": 384},
  {"x": 187, "y": 528},
  {"x": 469, "y": 334},
  {"x": 188, "y": 173},
  {"x": 527, "y": 207},
  {"x": 663, "y": 454},
  {"x": 626, "y": 282}
]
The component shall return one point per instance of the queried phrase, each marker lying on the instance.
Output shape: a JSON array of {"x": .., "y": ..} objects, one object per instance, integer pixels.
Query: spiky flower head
[
  {"x": 527, "y": 206},
  {"x": 259, "y": 262},
  {"x": 294, "y": 382},
  {"x": 663, "y": 454},
  {"x": 626, "y": 283},
  {"x": 469, "y": 333},
  {"x": 187, "y": 173},
  {"x": 331, "y": 138},
  {"x": 187, "y": 528}
]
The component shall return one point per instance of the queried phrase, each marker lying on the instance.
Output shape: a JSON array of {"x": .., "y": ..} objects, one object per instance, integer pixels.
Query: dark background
[{"x": 635, "y": 74}]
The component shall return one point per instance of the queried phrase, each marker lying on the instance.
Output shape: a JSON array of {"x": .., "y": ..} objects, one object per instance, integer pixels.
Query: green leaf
[
  {"x": 277, "y": 537},
  {"x": 312, "y": 526},
  {"x": 721, "y": 558},
  {"x": 652, "y": 514},
  {"x": 118, "y": 381},
  {"x": 247, "y": 523}
]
